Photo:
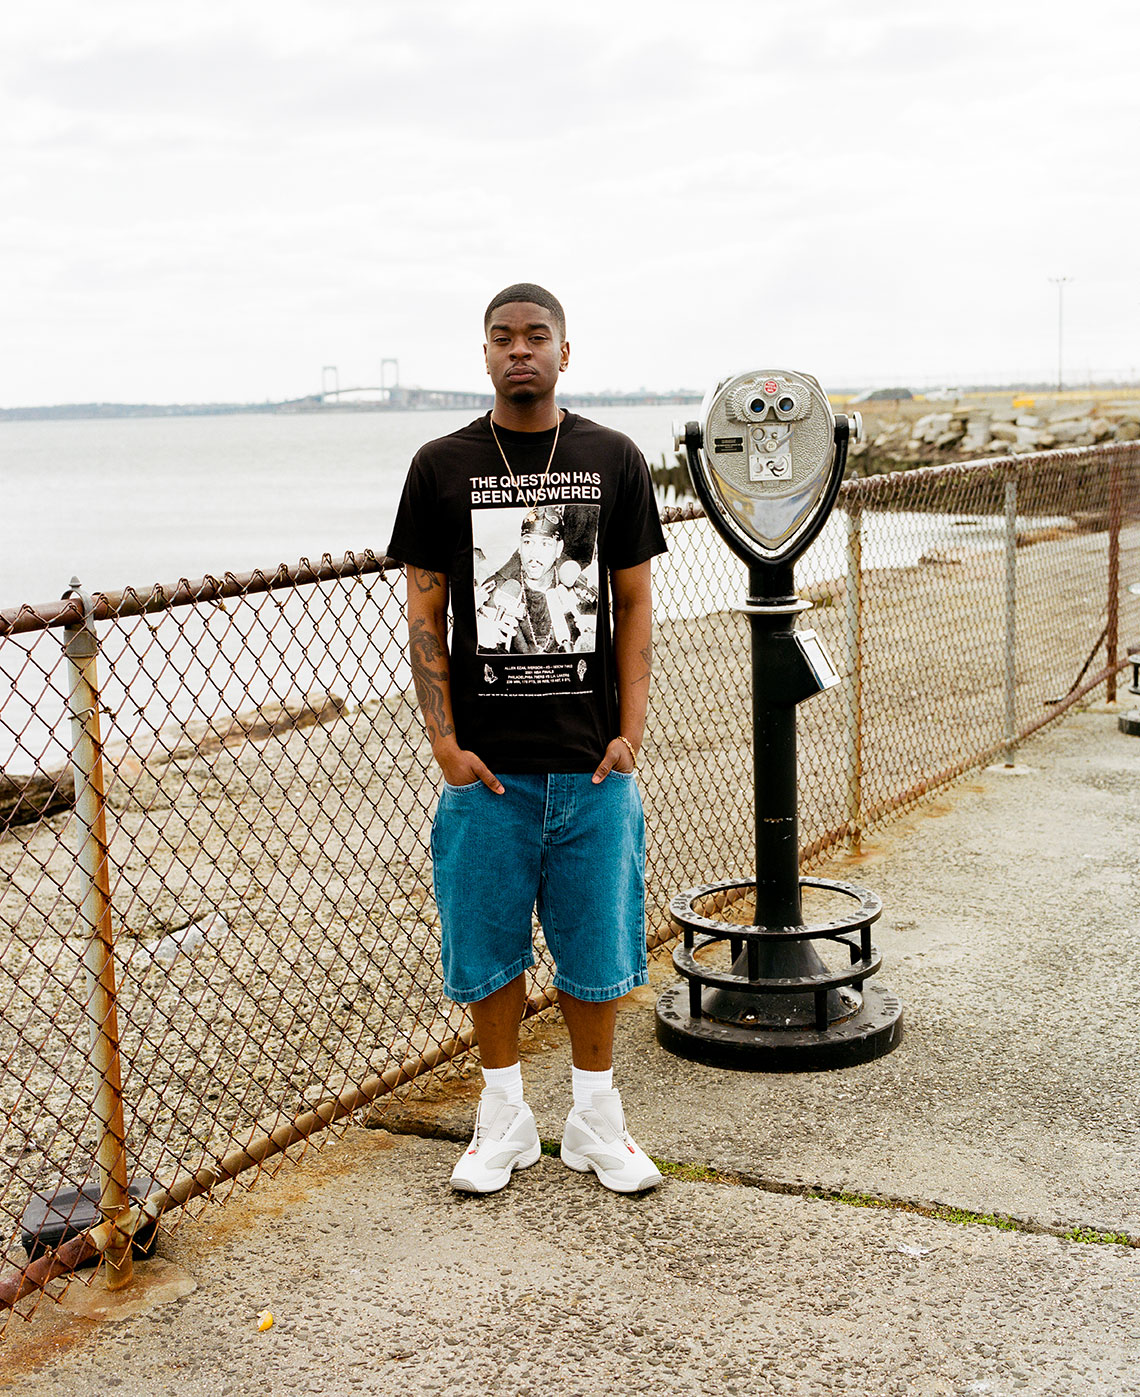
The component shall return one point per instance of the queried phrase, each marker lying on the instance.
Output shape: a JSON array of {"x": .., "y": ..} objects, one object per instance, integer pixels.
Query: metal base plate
[
  {"x": 1130, "y": 722},
  {"x": 875, "y": 1031}
]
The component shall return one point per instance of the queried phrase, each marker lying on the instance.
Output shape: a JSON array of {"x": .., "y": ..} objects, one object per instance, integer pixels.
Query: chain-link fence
[{"x": 217, "y": 933}]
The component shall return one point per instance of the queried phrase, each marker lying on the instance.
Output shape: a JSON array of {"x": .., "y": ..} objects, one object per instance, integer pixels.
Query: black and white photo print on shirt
[{"x": 536, "y": 579}]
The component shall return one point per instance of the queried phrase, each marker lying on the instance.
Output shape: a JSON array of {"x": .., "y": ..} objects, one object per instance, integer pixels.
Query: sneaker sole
[
  {"x": 528, "y": 1157},
  {"x": 583, "y": 1164}
]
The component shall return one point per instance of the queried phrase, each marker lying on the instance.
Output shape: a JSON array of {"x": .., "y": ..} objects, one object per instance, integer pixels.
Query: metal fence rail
[{"x": 217, "y": 934}]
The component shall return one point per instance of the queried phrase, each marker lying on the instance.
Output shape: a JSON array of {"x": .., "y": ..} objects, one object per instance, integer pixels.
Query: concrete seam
[{"x": 689, "y": 1172}]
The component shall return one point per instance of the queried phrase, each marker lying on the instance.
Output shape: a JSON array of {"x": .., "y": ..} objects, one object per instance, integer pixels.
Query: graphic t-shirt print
[{"x": 536, "y": 579}]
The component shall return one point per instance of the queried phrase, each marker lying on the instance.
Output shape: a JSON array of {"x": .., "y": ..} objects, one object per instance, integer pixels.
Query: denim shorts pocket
[{"x": 458, "y": 790}]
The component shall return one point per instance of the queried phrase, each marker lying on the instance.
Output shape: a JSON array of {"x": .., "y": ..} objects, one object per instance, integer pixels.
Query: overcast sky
[{"x": 213, "y": 200}]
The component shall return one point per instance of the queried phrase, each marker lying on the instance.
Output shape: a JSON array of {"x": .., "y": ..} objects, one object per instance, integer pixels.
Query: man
[{"x": 540, "y": 806}]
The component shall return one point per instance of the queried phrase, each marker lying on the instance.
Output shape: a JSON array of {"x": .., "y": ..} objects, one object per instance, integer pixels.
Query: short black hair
[{"x": 536, "y": 295}]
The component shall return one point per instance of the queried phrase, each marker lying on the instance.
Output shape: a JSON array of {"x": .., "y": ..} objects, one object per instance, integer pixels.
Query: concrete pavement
[{"x": 1010, "y": 934}]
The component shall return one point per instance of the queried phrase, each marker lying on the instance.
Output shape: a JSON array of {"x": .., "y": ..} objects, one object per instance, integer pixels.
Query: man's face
[
  {"x": 524, "y": 351},
  {"x": 538, "y": 552}
]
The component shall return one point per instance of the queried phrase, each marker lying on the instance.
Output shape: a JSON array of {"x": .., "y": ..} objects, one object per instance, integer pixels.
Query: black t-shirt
[{"x": 528, "y": 557}]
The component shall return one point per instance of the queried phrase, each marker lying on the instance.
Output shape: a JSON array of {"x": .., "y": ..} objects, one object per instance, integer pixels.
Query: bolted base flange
[
  {"x": 1130, "y": 722},
  {"x": 873, "y": 1032}
]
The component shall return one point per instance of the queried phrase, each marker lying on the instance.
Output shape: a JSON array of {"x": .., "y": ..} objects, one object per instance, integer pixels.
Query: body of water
[{"x": 133, "y": 501}]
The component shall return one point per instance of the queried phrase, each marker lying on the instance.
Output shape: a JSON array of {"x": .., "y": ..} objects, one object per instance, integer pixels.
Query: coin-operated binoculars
[{"x": 767, "y": 460}]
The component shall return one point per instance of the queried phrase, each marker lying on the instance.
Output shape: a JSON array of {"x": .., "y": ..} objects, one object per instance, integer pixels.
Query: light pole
[{"x": 1059, "y": 283}]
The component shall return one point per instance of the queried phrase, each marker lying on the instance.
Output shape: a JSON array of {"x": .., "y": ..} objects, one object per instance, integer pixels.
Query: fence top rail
[
  {"x": 112, "y": 606},
  {"x": 868, "y": 486}
]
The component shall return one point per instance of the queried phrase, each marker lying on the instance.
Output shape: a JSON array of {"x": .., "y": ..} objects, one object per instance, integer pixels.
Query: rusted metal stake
[
  {"x": 1112, "y": 630},
  {"x": 853, "y": 616},
  {"x": 81, "y": 649}
]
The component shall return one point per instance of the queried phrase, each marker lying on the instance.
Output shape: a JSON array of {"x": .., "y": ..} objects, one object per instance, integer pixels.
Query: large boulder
[
  {"x": 1073, "y": 412},
  {"x": 934, "y": 425},
  {"x": 1077, "y": 431},
  {"x": 977, "y": 434},
  {"x": 894, "y": 434}
]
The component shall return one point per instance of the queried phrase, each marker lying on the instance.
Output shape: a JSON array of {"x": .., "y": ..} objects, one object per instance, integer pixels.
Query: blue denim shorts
[{"x": 574, "y": 850}]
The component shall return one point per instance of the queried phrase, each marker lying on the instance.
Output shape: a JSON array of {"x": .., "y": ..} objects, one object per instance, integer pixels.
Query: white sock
[
  {"x": 584, "y": 1085},
  {"x": 507, "y": 1079}
]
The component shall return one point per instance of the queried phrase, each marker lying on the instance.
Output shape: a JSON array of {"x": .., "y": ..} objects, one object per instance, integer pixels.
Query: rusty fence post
[
  {"x": 1011, "y": 616},
  {"x": 1112, "y": 629},
  {"x": 81, "y": 648},
  {"x": 853, "y": 625}
]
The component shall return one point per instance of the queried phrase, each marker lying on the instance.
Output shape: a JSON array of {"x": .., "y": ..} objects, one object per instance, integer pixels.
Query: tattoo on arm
[
  {"x": 647, "y": 657},
  {"x": 425, "y": 581},
  {"x": 430, "y": 673}
]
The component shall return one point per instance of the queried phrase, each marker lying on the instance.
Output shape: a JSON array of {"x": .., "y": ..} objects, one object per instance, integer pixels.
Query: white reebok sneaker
[
  {"x": 505, "y": 1139},
  {"x": 597, "y": 1139}
]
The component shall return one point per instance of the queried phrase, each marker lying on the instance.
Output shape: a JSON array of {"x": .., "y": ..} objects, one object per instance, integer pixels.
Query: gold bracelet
[{"x": 629, "y": 744}]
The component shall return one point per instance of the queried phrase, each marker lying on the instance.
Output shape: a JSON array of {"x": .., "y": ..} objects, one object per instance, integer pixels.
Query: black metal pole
[
  {"x": 773, "y": 607},
  {"x": 774, "y": 754}
]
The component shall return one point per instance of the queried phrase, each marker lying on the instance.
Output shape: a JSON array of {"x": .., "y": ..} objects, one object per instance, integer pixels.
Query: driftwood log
[
  {"x": 269, "y": 720},
  {"x": 25, "y": 799}
]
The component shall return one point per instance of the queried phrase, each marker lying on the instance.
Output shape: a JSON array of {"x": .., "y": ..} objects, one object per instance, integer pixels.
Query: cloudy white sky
[{"x": 214, "y": 200}]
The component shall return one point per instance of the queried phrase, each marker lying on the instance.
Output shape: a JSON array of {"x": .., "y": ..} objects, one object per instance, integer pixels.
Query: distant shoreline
[
  {"x": 424, "y": 401},
  {"x": 431, "y": 400}
]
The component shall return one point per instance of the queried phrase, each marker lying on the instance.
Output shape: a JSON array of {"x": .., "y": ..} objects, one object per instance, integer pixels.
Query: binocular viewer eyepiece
[
  {"x": 772, "y": 398},
  {"x": 767, "y": 458}
]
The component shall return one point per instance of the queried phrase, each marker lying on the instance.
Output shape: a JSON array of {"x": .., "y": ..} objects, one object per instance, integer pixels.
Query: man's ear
[
  {"x": 565, "y": 356},
  {"x": 486, "y": 364}
]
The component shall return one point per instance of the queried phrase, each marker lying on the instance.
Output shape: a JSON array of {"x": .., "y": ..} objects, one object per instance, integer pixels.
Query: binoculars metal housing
[{"x": 769, "y": 455}]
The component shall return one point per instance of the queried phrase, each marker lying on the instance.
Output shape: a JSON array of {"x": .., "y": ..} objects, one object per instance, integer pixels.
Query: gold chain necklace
[{"x": 549, "y": 459}]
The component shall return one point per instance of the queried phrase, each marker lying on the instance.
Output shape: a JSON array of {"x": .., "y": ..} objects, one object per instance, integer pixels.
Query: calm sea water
[
  {"x": 132, "y": 501},
  {"x": 138, "y": 501}
]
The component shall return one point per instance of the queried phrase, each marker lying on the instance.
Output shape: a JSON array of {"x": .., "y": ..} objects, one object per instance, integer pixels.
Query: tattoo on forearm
[
  {"x": 647, "y": 657},
  {"x": 425, "y": 581},
  {"x": 430, "y": 672}
]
